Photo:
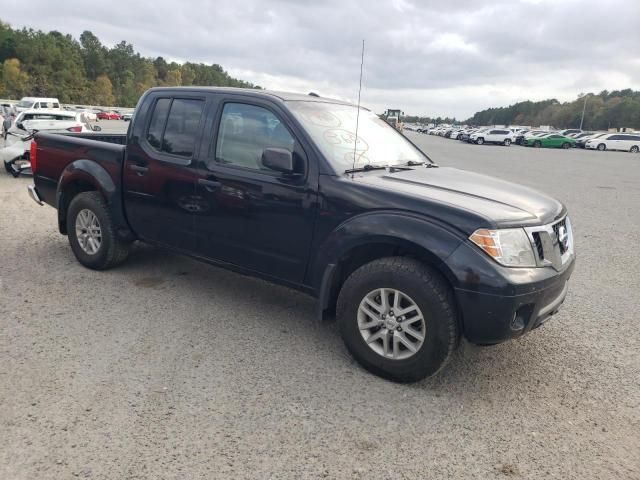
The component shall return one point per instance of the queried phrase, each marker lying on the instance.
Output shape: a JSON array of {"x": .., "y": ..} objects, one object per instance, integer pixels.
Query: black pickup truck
[{"x": 408, "y": 256}]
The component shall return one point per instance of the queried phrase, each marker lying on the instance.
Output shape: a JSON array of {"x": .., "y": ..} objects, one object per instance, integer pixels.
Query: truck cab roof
[{"x": 269, "y": 94}]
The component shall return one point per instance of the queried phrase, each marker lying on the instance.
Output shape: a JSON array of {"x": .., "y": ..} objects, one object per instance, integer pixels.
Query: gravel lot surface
[{"x": 170, "y": 368}]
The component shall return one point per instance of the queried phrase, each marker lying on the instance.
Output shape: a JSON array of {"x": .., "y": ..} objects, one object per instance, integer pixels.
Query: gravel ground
[{"x": 169, "y": 368}]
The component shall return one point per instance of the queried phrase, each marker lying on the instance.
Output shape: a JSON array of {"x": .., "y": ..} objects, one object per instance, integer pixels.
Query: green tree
[
  {"x": 174, "y": 78},
  {"x": 103, "y": 91},
  {"x": 15, "y": 82}
]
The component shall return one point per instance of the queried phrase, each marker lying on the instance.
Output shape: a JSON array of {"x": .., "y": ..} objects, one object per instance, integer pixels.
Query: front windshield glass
[
  {"x": 24, "y": 103},
  {"x": 333, "y": 129}
]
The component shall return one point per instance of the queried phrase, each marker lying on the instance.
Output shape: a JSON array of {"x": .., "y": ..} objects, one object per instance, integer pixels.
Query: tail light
[
  {"x": 33, "y": 155},
  {"x": 76, "y": 129}
]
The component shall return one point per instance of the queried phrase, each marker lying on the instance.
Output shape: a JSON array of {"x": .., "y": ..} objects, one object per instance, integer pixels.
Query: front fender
[{"x": 434, "y": 240}]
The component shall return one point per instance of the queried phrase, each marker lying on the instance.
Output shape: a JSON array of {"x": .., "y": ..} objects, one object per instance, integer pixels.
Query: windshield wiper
[
  {"x": 366, "y": 168},
  {"x": 413, "y": 163}
]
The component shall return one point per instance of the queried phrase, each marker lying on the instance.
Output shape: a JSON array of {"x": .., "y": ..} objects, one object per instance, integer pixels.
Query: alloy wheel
[
  {"x": 391, "y": 323},
  {"x": 88, "y": 231}
]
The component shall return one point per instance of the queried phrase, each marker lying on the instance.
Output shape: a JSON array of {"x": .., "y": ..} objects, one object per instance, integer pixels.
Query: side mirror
[
  {"x": 96, "y": 128},
  {"x": 20, "y": 125},
  {"x": 278, "y": 159}
]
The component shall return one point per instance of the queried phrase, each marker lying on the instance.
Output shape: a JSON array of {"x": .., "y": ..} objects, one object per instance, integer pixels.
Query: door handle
[
  {"x": 209, "y": 185},
  {"x": 139, "y": 169}
]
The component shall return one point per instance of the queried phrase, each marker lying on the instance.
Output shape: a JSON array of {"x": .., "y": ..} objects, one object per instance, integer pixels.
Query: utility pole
[{"x": 584, "y": 107}]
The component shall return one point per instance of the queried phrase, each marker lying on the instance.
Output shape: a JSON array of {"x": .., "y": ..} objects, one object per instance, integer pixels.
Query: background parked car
[
  {"x": 551, "y": 140},
  {"x": 580, "y": 142},
  {"x": 28, "y": 103},
  {"x": 627, "y": 142},
  {"x": 495, "y": 135},
  {"x": 108, "y": 116},
  {"x": 569, "y": 131}
]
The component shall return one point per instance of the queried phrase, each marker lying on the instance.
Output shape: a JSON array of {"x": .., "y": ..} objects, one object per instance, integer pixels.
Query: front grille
[
  {"x": 539, "y": 247},
  {"x": 556, "y": 230},
  {"x": 549, "y": 248}
]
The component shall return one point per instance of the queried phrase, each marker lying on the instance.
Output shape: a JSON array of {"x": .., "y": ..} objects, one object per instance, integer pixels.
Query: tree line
[
  {"x": 615, "y": 109},
  {"x": 84, "y": 71}
]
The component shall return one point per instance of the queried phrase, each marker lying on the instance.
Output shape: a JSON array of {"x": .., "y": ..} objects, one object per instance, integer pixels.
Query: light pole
[{"x": 584, "y": 107}]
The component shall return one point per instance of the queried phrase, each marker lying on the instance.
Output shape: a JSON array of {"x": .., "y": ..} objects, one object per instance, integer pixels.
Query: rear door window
[
  {"x": 174, "y": 125},
  {"x": 182, "y": 127},
  {"x": 158, "y": 121}
]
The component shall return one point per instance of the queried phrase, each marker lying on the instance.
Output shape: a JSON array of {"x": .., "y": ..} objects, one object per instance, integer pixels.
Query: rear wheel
[
  {"x": 602, "y": 147},
  {"x": 480, "y": 141},
  {"x": 397, "y": 317},
  {"x": 92, "y": 233},
  {"x": 634, "y": 149},
  {"x": 537, "y": 144},
  {"x": 507, "y": 142},
  {"x": 566, "y": 145}
]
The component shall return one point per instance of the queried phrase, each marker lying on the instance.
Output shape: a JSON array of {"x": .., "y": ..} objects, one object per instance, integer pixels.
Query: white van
[
  {"x": 28, "y": 103},
  {"x": 628, "y": 142}
]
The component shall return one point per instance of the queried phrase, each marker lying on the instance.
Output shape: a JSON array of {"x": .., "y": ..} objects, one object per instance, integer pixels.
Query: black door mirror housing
[
  {"x": 278, "y": 159},
  {"x": 20, "y": 126}
]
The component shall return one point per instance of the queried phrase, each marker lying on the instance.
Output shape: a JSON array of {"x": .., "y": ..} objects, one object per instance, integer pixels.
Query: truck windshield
[
  {"x": 25, "y": 103},
  {"x": 333, "y": 129}
]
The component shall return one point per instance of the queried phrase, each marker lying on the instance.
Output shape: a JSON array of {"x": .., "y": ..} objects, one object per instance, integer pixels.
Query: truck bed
[
  {"x": 117, "y": 138},
  {"x": 57, "y": 151}
]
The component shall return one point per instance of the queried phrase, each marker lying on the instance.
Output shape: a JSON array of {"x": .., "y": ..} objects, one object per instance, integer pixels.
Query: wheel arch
[
  {"x": 359, "y": 241},
  {"x": 85, "y": 176}
]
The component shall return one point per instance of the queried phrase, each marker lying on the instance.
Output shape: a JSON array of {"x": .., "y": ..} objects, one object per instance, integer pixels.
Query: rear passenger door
[{"x": 160, "y": 172}]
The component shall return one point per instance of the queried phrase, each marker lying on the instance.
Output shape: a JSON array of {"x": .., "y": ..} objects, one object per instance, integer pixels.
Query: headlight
[{"x": 509, "y": 247}]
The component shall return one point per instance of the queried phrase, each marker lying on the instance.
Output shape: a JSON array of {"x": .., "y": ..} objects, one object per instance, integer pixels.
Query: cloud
[{"x": 433, "y": 58}]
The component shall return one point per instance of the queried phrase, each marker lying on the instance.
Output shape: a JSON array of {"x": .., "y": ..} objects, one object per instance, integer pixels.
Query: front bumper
[{"x": 499, "y": 303}]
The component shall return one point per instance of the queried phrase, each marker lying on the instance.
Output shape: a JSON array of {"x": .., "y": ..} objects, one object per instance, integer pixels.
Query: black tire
[
  {"x": 537, "y": 144},
  {"x": 566, "y": 145},
  {"x": 480, "y": 141},
  {"x": 602, "y": 147},
  {"x": 634, "y": 149},
  {"x": 431, "y": 294},
  {"x": 507, "y": 142},
  {"x": 112, "y": 251}
]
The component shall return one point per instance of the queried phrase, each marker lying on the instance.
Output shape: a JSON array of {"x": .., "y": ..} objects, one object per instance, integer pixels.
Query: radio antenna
[{"x": 355, "y": 144}]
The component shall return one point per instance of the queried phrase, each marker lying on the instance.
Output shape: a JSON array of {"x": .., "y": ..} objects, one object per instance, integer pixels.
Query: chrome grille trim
[{"x": 547, "y": 247}]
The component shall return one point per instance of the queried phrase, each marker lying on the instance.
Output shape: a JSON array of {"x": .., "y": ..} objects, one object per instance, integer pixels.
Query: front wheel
[
  {"x": 398, "y": 319},
  {"x": 480, "y": 141},
  {"x": 634, "y": 149},
  {"x": 92, "y": 233},
  {"x": 566, "y": 145},
  {"x": 537, "y": 144},
  {"x": 506, "y": 142},
  {"x": 602, "y": 147}
]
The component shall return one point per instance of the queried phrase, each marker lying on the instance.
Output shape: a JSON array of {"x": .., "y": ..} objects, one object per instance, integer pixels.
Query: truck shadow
[{"x": 480, "y": 370}]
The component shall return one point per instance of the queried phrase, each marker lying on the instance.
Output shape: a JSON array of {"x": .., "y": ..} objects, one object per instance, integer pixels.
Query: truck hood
[{"x": 501, "y": 203}]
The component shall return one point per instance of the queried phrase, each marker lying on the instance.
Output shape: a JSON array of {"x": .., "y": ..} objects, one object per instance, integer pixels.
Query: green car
[{"x": 551, "y": 140}]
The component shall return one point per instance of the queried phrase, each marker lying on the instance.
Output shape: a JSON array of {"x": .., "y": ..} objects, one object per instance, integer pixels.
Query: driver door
[{"x": 251, "y": 216}]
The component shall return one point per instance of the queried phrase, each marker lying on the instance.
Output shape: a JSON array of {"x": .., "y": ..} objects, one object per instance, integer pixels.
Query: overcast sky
[{"x": 425, "y": 57}]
